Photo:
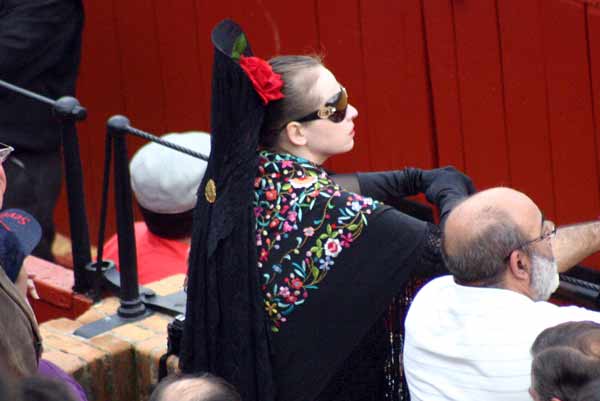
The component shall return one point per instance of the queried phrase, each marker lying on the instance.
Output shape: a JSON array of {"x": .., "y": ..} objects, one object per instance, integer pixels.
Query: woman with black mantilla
[{"x": 290, "y": 273}]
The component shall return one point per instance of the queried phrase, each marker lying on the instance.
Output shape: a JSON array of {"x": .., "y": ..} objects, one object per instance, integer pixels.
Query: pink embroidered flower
[
  {"x": 266, "y": 82},
  {"x": 284, "y": 292},
  {"x": 287, "y": 227},
  {"x": 309, "y": 231},
  {"x": 292, "y": 216},
  {"x": 332, "y": 247},
  {"x": 287, "y": 163},
  {"x": 346, "y": 240},
  {"x": 291, "y": 299}
]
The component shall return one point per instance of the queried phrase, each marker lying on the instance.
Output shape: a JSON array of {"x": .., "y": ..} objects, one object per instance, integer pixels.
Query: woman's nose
[{"x": 352, "y": 112}]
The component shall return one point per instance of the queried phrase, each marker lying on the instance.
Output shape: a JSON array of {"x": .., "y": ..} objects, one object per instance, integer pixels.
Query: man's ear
[
  {"x": 295, "y": 134},
  {"x": 519, "y": 265}
]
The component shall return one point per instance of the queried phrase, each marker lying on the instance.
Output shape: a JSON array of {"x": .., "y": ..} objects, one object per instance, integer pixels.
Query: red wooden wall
[{"x": 507, "y": 90}]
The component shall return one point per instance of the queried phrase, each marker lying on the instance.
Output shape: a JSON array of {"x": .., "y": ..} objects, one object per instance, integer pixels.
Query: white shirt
[{"x": 467, "y": 343}]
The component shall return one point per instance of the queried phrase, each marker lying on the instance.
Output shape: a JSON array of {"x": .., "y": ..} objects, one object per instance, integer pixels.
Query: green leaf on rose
[{"x": 239, "y": 47}]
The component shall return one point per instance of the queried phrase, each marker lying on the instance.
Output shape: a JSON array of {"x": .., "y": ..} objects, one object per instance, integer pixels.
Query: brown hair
[
  {"x": 584, "y": 335},
  {"x": 299, "y": 74},
  {"x": 561, "y": 372},
  {"x": 566, "y": 359}
]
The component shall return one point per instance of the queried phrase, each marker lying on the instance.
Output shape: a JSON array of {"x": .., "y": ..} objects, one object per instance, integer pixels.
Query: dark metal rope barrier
[
  {"x": 68, "y": 111},
  {"x": 154, "y": 138}
]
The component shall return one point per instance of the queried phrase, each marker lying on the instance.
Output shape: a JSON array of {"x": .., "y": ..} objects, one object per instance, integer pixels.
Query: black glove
[
  {"x": 437, "y": 182},
  {"x": 445, "y": 187}
]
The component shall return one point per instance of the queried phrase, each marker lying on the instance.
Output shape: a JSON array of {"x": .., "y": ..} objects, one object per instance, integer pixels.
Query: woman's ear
[{"x": 295, "y": 134}]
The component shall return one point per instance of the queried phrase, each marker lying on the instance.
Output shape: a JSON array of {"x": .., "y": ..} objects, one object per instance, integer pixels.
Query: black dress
[{"x": 331, "y": 263}]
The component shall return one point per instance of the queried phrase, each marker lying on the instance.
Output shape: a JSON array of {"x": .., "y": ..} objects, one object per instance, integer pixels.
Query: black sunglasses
[{"x": 334, "y": 109}]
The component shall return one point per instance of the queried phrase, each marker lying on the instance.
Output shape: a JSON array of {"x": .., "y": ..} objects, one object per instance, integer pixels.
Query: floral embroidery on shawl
[{"x": 304, "y": 221}]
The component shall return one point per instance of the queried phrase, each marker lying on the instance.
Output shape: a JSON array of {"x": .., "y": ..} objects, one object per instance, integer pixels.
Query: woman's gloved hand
[
  {"x": 445, "y": 187},
  {"x": 439, "y": 182}
]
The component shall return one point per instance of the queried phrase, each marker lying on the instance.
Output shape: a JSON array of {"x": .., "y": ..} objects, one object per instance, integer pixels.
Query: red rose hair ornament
[{"x": 267, "y": 83}]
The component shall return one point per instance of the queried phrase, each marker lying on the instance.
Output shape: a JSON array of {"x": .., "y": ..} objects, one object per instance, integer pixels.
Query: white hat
[{"x": 165, "y": 180}]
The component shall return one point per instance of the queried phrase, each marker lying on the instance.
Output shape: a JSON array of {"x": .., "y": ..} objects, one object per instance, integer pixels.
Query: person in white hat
[{"x": 164, "y": 182}]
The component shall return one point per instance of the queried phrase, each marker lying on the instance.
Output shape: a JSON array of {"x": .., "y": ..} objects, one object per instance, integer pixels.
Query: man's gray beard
[{"x": 544, "y": 277}]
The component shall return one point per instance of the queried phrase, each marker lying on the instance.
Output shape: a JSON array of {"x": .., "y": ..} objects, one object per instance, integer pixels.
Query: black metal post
[
  {"x": 68, "y": 111},
  {"x": 131, "y": 303}
]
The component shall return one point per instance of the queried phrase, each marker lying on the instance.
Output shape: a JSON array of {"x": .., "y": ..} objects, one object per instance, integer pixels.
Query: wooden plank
[
  {"x": 141, "y": 67},
  {"x": 527, "y": 124},
  {"x": 285, "y": 32},
  {"x": 593, "y": 25},
  {"x": 397, "y": 90},
  {"x": 570, "y": 111},
  {"x": 340, "y": 33},
  {"x": 481, "y": 91},
  {"x": 181, "y": 67},
  {"x": 445, "y": 88},
  {"x": 593, "y": 39}
]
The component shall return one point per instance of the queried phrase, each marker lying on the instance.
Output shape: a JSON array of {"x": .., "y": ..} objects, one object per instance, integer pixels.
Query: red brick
[
  {"x": 168, "y": 285},
  {"x": 91, "y": 315},
  {"x": 120, "y": 369},
  {"x": 62, "y": 325},
  {"x": 71, "y": 364},
  {"x": 132, "y": 333},
  {"x": 157, "y": 323},
  {"x": 108, "y": 305}
]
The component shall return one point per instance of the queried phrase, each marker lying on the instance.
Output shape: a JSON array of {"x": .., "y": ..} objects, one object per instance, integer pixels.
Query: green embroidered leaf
[
  {"x": 352, "y": 227},
  {"x": 323, "y": 236},
  {"x": 239, "y": 46},
  {"x": 320, "y": 252},
  {"x": 328, "y": 228},
  {"x": 315, "y": 272},
  {"x": 274, "y": 329},
  {"x": 314, "y": 249},
  {"x": 319, "y": 243}
]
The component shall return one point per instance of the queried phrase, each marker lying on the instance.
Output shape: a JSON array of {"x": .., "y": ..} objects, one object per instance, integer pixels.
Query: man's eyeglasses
[
  {"x": 5, "y": 151},
  {"x": 548, "y": 232},
  {"x": 334, "y": 109}
]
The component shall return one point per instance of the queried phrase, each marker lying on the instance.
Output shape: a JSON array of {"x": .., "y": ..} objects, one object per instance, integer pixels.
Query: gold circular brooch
[{"x": 210, "y": 191}]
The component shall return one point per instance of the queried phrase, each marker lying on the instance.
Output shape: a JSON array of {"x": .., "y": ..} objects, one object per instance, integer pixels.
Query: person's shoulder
[
  {"x": 432, "y": 290},
  {"x": 568, "y": 313}
]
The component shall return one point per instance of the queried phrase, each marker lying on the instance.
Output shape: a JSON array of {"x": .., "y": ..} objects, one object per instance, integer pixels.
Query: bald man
[
  {"x": 468, "y": 335},
  {"x": 198, "y": 387}
]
